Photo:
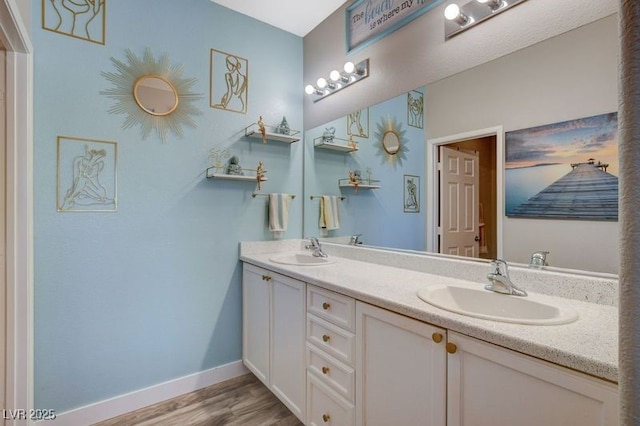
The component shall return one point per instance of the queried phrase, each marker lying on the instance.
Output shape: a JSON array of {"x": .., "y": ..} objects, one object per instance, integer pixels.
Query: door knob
[{"x": 476, "y": 239}]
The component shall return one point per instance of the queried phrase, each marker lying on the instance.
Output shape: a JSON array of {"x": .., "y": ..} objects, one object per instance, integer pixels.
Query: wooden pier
[{"x": 586, "y": 192}]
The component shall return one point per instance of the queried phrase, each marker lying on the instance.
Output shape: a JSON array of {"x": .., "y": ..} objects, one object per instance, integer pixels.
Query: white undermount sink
[
  {"x": 481, "y": 303},
  {"x": 301, "y": 259}
]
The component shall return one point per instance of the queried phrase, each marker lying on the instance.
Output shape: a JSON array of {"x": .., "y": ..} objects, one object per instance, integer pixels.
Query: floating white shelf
[
  {"x": 359, "y": 186},
  {"x": 212, "y": 174},
  {"x": 253, "y": 131},
  {"x": 334, "y": 146}
]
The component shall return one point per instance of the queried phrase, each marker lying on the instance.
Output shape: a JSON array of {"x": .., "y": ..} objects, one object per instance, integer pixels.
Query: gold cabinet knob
[
  {"x": 437, "y": 337},
  {"x": 326, "y": 306},
  {"x": 452, "y": 348},
  {"x": 266, "y": 278},
  {"x": 326, "y": 418},
  {"x": 325, "y": 370},
  {"x": 325, "y": 338}
]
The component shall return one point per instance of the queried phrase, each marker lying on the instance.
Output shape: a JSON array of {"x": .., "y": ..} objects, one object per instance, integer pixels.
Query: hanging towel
[
  {"x": 329, "y": 214},
  {"x": 278, "y": 213}
]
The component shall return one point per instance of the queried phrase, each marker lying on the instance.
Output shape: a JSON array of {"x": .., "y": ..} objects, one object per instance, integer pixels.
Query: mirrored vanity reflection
[{"x": 564, "y": 78}]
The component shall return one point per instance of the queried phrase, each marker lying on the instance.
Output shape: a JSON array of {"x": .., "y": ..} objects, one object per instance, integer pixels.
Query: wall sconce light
[
  {"x": 338, "y": 80},
  {"x": 461, "y": 18}
]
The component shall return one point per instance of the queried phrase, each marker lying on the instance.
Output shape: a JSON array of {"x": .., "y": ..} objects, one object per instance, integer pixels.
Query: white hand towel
[
  {"x": 278, "y": 213},
  {"x": 329, "y": 214}
]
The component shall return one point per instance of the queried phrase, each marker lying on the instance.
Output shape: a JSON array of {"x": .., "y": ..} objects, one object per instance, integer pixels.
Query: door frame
[
  {"x": 431, "y": 229},
  {"x": 19, "y": 208}
]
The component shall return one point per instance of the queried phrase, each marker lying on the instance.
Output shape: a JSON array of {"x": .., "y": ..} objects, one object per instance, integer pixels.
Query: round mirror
[
  {"x": 155, "y": 95},
  {"x": 391, "y": 142}
]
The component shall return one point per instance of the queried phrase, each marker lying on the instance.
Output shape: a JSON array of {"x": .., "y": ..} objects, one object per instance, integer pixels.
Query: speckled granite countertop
[{"x": 589, "y": 345}]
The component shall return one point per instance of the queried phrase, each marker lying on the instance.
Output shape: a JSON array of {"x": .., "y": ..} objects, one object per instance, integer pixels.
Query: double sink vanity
[{"x": 367, "y": 336}]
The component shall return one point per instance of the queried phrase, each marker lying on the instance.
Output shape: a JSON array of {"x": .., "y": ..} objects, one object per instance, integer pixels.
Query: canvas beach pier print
[{"x": 564, "y": 170}]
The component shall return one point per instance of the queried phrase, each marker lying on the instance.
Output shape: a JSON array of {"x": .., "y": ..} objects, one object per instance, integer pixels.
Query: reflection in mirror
[
  {"x": 391, "y": 142},
  {"x": 155, "y": 95},
  {"x": 570, "y": 76},
  {"x": 391, "y": 214}
]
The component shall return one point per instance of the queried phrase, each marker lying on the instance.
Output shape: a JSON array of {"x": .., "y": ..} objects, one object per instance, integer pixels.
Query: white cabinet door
[
  {"x": 273, "y": 334},
  {"x": 489, "y": 385},
  {"x": 400, "y": 370},
  {"x": 256, "y": 300},
  {"x": 288, "y": 375}
]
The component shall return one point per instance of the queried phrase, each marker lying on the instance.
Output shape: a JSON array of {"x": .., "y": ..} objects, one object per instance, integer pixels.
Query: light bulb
[
  {"x": 309, "y": 89},
  {"x": 335, "y": 75},
  {"x": 349, "y": 68},
  {"x": 321, "y": 83},
  {"x": 452, "y": 12}
]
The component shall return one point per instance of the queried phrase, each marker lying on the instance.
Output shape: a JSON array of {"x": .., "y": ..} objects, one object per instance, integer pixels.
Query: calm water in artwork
[{"x": 525, "y": 182}]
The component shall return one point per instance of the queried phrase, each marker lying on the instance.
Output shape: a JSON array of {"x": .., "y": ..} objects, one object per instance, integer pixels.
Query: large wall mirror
[{"x": 566, "y": 77}]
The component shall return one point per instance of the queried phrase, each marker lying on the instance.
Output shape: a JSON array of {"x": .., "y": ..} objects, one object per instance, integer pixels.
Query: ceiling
[{"x": 290, "y": 15}]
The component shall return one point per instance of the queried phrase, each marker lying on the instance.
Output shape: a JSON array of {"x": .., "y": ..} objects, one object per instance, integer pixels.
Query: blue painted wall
[
  {"x": 150, "y": 293},
  {"x": 376, "y": 214}
]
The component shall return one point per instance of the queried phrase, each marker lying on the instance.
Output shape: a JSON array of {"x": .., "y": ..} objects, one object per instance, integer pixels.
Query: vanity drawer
[
  {"x": 332, "y": 339},
  {"x": 334, "y": 307},
  {"x": 331, "y": 371},
  {"x": 325, "y": 406}
]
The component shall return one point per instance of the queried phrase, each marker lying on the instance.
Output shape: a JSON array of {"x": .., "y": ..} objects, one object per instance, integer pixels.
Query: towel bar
[{"x": 320, "y": 196}]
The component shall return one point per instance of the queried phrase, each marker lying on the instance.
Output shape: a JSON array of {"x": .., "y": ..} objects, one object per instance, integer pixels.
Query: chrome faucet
[
  {"x": 355, "y": 240},
  {"x": 316, "y": 247},
  {"x": 500, "y": 281},
  {"x": 538, "y": 259}
]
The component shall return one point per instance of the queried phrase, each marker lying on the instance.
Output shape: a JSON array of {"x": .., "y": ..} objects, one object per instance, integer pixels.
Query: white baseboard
[{"x": 132, "y": 401}]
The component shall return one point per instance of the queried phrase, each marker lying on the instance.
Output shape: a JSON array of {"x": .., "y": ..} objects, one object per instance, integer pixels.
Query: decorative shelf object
[
  {"x": 254, "y": 131},
  {"x": 255, "y": 175},
  {"x": 361, "y": 184},
  {"x": 335, "y": 144}
]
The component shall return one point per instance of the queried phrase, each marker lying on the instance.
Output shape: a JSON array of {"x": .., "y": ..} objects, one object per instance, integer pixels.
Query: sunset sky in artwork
[{"x": 574, "y": 141}]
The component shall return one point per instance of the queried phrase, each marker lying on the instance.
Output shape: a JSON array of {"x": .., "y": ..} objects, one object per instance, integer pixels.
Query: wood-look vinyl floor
[{"x": 243, "y": 401}]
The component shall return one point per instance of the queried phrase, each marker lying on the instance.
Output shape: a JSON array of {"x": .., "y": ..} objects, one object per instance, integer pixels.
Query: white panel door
[
  {"x": 400, "y": 370},
  {"x": 459, "y": 202},
  {"x": 490, "y": 385}
]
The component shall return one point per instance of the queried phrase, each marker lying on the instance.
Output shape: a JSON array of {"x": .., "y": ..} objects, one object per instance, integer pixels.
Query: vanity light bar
[
  {"x": 461, "y": 18},
  {"x": 338, "y": 80}
]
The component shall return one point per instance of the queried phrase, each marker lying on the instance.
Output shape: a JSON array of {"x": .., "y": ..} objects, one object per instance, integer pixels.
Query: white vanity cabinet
[
  {"x": 490, "y": 385},
  {"x": 401, "y": 366},
  {"x": 273, "y": 334},
  {"x": 331, "y": 375}
]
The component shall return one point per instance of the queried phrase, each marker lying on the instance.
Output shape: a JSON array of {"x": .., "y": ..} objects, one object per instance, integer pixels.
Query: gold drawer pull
[
  {"x": 326, "y": 418},
  {"x": 325, "y": 338},
  {"x": 437, "y": 337},
  {"x": 325, "y": 370},
  {"x": 326, "y": 306},
  {"x": 266, "y": 278},
  {"x": 451, "y": 348}
]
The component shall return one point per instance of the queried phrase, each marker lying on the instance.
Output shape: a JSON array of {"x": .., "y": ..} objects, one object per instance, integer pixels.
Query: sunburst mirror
[
  {"x": 392, "y": 147},
  {"x": 153, "y": 94}
]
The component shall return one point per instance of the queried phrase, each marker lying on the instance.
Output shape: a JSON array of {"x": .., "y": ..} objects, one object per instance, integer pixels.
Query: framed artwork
[
  {"x": 370, "y": 20},
  {"x": 82, "y": 19},
  {"x": 565, "y": 170},
  {"x": 358, "y": 123},
  {"x": 411, "y": 194},
  {"x": 229, "y": 82},
  {"x": 87, "y": 175},
  {"x": 415, "y": 109}
]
